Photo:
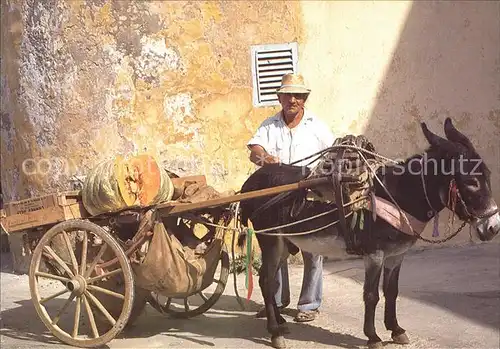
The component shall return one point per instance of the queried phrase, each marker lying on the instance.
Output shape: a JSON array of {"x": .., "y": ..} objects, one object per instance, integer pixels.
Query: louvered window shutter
[{"x": 270, "y": 63}]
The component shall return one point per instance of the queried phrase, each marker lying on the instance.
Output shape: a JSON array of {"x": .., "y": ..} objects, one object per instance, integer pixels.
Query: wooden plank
[
  {"x": 75, "y": 211},
  {"x": 49, "y": 215},
  {"x": 29, "y": 220},
  {"x": 176, "y": 207},
  {"x": 30, "y": 205},
  {"x": 74, "y": 207},
  {"x": 40, "y": 202},
  {"x": 43, "y": 210}
]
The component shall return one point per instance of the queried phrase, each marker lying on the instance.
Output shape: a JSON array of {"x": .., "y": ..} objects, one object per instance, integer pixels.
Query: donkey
[{"x": 420, "y": 185}]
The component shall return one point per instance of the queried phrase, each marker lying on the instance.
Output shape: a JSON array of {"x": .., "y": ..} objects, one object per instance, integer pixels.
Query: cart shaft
[{"x": 169, "y": 208}]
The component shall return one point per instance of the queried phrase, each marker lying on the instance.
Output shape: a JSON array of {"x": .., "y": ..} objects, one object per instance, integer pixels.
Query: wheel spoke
[
  {"x": 84, "y": 253},
  {"x": 99, "y": 306},
  {"x": 58, "y": 260},
  {"x": 202, "y": 295},
  {"x": 105, "y": 291},
  {"x": 100, "y": 277},
  {"x": 52, "y": 276},
  {"x": 71, "y": 253},
  {"x": 95, "y": 261},
  {"x": 168, "y": 303},
  {"x": 66, "y": 304},
  {"x": 77, "y": 317},
  {"x": 91, "y": 316},
  {"x": 47, "y": 255},
  {"x": 46, "y": 299}
]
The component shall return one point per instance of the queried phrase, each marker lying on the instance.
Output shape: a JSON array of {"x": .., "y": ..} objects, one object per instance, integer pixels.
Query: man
[{"x": 292, "y": 134}]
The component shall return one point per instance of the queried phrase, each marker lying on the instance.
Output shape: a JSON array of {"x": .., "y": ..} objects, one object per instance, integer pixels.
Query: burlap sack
[{"x": 171, "y": 270}]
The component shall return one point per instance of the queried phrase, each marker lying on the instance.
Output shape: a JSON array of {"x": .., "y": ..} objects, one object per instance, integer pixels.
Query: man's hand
[
  {"x": 263, "y": 159},
  {"x": 260, "y": 157}
]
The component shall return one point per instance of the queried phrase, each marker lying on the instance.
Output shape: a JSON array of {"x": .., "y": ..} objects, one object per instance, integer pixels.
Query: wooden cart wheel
[
  {"x": 166, "y": 305},
  {"x": 68, "y": 255},
  {"x": 141, "y": 297}
]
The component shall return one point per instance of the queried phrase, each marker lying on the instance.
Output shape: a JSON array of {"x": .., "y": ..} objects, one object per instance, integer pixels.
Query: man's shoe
[{"x": 305, "y": 316}]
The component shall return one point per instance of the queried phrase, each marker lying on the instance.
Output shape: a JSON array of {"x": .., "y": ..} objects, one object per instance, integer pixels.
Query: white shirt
[{"x": 308, "y": 137}]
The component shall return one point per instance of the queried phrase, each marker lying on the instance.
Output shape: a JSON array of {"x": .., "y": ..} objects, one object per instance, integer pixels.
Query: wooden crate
[{"x": 42, "y": 210}]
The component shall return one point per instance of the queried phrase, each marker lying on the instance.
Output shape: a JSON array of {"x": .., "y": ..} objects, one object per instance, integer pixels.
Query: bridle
[{"x": 454, "y": 196}]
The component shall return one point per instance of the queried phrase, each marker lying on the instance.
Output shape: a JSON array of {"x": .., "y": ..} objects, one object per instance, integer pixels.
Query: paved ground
[{"x": 449, "y": 298}]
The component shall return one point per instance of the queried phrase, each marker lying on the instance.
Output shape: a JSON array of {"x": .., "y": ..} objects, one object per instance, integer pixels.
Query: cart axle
[{"x": 77, "y": 285}]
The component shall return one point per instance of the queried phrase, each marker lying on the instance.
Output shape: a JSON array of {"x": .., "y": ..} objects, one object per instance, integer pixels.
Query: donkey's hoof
[
  {"x": 375, "y": 345},
  {"x": 401, "y": 338},
  {"x": 278, "y": 342}
]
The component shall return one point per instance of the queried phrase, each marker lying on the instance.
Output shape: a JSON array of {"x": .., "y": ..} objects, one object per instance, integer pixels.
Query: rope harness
[{"x": 453, "y": 197}]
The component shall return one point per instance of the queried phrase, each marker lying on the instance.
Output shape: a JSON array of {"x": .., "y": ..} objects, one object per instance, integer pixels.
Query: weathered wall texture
[
  {"x": 83, "y": 81},
  {"x": 380, "y": 68}
]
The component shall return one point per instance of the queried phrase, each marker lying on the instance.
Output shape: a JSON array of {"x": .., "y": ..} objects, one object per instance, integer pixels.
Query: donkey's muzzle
[
  {"x": 491, "y": 233},
  {"x": 489, "y": 229}
]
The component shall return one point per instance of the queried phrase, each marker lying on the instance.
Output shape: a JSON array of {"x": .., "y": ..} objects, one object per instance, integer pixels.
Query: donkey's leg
[
  {"x": 392, "y": 266},
  {"x": 272, "y": 256},
  {"x": 268, "y": 286},
  {"x": 373, "y": 269}
]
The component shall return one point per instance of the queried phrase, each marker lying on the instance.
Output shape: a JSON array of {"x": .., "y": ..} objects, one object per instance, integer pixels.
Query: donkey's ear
[
  {"x": 432, "y": 138},
  {"x": 454, "y": 135},
  {"x": 445, "y": 147}
]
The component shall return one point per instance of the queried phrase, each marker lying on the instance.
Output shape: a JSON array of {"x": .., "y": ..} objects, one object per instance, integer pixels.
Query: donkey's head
[{"x": 469, "y": 177}]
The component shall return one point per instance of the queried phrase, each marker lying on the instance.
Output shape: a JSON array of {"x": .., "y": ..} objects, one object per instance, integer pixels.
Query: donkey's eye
[{"x": 472, "y": 183}]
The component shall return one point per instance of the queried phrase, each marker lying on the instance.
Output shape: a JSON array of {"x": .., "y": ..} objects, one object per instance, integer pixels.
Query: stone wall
[{"x": 83, "y": 81}]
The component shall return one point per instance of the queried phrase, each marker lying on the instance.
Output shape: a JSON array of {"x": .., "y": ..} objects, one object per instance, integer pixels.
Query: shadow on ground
[
  {"x": 23, "y": 323},
  {"x": 235, "y": 326},
  {"x": 6, "y": 264},
  {"x": 482, "y": 307},
  {"x": 447, "y": 278}
]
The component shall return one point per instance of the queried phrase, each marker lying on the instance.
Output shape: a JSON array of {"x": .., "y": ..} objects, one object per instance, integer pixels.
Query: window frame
[{"x": 255, "y": 50}]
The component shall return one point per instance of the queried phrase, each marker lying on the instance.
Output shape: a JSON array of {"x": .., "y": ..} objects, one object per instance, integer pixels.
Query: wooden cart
[{"x": 91, "y": 259}]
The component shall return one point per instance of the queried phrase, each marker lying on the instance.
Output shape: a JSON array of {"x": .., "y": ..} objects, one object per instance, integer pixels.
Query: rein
[
  {"x": 453, "y": 197},
  {"x": 453, "y": 194},
  {"x": 265, "y": 231},
  {"x": 321, "y": 153}
]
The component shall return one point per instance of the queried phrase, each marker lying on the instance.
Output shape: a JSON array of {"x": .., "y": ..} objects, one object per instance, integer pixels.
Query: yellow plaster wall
[
  {"x": 379, "y": 68},
  {"x": 347, "y": 48},
  {"x": 86, "y": 80}
]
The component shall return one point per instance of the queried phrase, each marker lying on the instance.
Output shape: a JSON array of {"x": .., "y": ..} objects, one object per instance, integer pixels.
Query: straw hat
[{"x": 292, "y": 83}]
